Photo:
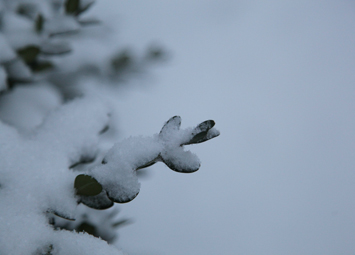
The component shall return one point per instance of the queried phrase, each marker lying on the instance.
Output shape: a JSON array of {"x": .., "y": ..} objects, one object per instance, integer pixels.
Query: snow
[
  {"x": 60, "y": 24},
  {"x": 18, "y": 70},
  {"x": 26, "y": 106},
  {"x": 44, "y": 139},
  {"x": 35, "y": 179},
  {"x": 7, "y": 53}
]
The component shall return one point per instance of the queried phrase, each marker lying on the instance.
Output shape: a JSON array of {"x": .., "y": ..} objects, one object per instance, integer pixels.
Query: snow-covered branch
[{"x": 115, "y": 179}]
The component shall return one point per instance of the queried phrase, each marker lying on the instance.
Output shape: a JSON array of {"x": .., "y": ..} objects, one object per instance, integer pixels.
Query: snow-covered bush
[{"x": 52, "y": 164}]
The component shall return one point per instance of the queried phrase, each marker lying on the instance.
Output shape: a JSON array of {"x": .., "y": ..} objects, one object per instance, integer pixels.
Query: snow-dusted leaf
[
  {"x": 122, "y": 198},
  {"x": 28, "y": 10},
  {"x": 59, "y": 25},
  {"x": 172, "y": 125},
  {"x": 55, "y": 47},
  {"x": 181, "y": 161},
  {"x": 203, "y": 132},
  {"x": 87, "y": 186},
  {"x": 89, "y": 21},
  {"x": 17, "y": 70},
  {"x": 3, "y": 78},
  {"x": 7, "y": 53},
  {"x": 100, "y": 201},
  {"x": 85, "y": 5},
  {"x": 39, "y": 23}
]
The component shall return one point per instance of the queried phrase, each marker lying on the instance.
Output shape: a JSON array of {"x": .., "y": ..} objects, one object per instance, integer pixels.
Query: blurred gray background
[{"x": 278, "y": 79}]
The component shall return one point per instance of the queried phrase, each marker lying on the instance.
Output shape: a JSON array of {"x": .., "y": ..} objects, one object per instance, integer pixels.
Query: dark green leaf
[
  {"x": 72, "y": 6},
  {"x": 39, "y": 23},
  {"x": 41, "y": 66},
  {"x": 29, "y": 53},
  {"x": 87, "y": 186}
]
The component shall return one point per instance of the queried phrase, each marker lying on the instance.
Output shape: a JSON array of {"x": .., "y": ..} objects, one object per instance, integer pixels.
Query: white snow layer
[{"x": 35, "y": 180}]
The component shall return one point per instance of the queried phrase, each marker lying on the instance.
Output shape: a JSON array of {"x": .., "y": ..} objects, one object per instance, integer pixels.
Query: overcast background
[{"x": 278, "y": 79}]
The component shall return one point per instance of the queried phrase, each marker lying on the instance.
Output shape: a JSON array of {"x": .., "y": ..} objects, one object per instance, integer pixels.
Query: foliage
[{"x": 54, "y": 171}]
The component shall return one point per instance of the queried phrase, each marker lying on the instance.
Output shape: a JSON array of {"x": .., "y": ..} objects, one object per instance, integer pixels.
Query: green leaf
[
  {"x": 39, "y": 23},
  {"x": 41, "y": 66},
  {"x": 72, "y": 6},
  {"x": 29, "y": 53},
  {"x": 87, "y": 186}
]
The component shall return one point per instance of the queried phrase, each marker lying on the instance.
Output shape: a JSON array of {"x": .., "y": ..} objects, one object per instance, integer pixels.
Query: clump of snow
[
  {"x": 19, "y": 70},
  {"x": 26, "y": 106},
  {"x": 7, "y": 53}
]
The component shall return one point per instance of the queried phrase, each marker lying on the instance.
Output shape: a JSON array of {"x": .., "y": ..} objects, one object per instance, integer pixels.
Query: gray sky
[{"x": 278, "y": 79}]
